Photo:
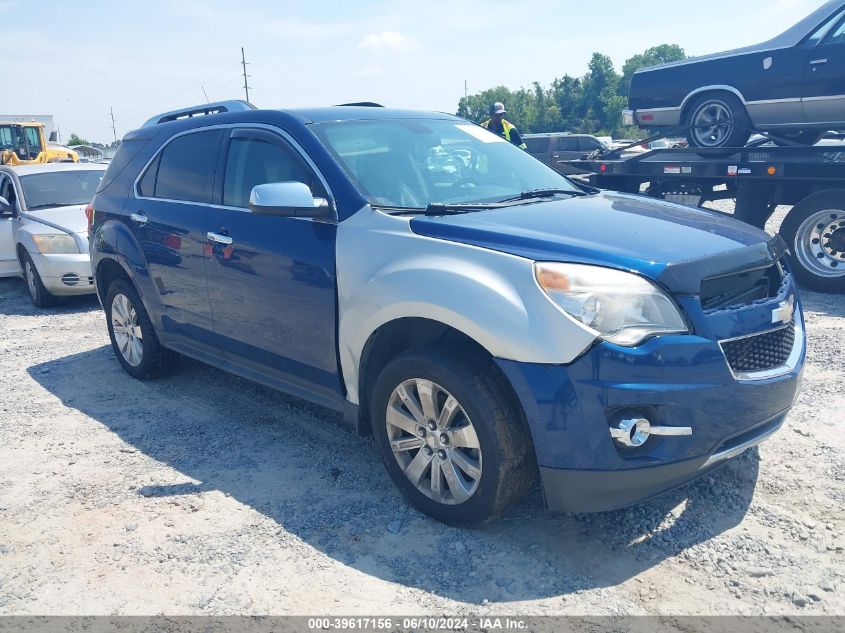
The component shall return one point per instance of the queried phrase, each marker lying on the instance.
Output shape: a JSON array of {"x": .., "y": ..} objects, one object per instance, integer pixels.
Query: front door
[
  {"x": 8, "y": 258},
  {"x": 272, "y": 286},
  {"x": 168, "y": 219},
  {"x": 824, "y": 79}
]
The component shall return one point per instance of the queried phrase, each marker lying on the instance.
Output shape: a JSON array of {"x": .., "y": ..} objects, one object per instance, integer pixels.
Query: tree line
[{"x": 590, "y": 104}]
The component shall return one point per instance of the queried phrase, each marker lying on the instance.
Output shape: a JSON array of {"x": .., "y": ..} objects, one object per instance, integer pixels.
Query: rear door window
[
  {"x": 567, "y": 144},
  {"x": 537, "y": 145},
  {"x": 186, "y": 168}
]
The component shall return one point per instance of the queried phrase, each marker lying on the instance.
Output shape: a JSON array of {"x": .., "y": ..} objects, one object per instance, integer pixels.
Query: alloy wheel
[
  {"x": 31, "y": 279},
  {"x": 434, "y": 441},
  {"x": 712, "y": 124},
  {"x": 127, "y": 331}
]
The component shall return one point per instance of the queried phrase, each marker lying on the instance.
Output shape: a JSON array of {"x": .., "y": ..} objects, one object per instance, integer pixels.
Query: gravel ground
[{"x": 201, "y": 493}]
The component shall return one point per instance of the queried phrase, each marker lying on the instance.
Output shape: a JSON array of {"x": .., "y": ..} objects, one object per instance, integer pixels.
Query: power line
[
  {"x": 113, "y": 128},
  {"x": 246, "y": 83}
]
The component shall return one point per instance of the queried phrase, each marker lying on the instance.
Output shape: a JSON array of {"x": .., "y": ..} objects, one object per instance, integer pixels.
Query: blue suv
[{"x": 482, "y": 316}]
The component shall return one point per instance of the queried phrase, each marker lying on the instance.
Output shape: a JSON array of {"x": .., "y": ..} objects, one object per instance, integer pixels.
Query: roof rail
[
  {"x": 363, "y": 104},
  {"x": 236, "y": 105}
]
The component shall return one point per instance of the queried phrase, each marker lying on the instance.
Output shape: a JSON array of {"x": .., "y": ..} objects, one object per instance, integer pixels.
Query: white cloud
[
  {"x": 370, "y": 71},
  {"x": 387, "y": 40}
]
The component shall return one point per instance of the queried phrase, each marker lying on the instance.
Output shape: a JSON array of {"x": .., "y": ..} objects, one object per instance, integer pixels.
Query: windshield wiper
[
  {"x": 545, "y": 193},
  {"x": 456, "y": 208}
]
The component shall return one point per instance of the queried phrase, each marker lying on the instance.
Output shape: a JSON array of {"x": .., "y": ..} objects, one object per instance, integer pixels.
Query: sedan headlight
[
  {"x": 622, "y": 307},
  {"x": 55, "y": 244}
]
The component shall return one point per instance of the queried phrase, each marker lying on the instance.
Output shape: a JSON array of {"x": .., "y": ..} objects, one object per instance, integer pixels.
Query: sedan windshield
[
  {"x": 414, "y": 163},
  {"x": 60, "y": 188}
]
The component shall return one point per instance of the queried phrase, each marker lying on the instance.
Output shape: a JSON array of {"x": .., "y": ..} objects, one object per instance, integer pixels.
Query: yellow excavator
[{"x": 24, "y": 144}]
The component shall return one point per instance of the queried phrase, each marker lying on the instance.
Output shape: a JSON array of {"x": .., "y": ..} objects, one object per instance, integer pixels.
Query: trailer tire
[{"x": 814, "y": 230}]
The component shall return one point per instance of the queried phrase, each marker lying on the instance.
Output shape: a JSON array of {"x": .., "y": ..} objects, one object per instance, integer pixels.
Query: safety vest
[{"x": 507, "y": 126}]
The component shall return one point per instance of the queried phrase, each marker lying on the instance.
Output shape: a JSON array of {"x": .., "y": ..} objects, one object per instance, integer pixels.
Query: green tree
[{"x": 75, "y": 140}]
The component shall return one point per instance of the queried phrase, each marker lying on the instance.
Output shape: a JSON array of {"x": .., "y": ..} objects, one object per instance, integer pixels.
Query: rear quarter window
[{"x": 127, "y": 151}]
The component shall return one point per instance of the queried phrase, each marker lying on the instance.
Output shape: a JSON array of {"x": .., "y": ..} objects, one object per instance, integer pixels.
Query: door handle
[
  {"x": 220, "y": 239},
  {"x": 140, "y": 218},
  {"x": 815, "y": 62}
]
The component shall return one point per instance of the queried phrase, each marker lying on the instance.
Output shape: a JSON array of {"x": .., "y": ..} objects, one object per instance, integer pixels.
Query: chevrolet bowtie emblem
[{"x": 783, "y": 313}]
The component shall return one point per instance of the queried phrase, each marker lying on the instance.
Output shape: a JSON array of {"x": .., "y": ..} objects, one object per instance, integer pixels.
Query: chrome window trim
[
  {"x": 791, "y": 362},
  {"x": 241, "y": 126}
]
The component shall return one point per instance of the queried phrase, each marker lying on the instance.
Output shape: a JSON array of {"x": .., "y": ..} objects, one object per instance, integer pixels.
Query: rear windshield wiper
[{"x": 545, "y": 193}]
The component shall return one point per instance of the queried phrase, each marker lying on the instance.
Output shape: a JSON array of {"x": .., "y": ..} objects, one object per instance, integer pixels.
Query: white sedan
[{"x": 43, "y": 228}]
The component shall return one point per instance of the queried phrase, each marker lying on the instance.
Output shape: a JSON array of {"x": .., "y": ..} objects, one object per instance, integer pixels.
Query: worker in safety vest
[{"x": 507, "y": 130}]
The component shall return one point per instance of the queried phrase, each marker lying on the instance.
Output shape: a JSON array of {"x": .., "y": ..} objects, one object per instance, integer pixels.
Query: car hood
[
  {"x": 675, "y": 245},
  {"x": 68, "y": 218}
]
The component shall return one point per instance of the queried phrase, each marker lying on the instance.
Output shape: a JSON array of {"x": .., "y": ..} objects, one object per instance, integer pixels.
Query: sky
[{"x": 78, "y": 60}]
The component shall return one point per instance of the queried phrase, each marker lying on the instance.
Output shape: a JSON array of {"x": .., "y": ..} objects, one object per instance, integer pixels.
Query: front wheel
[
  {"x": 814, "y": 230},
  {"x": 718, "y": 120},
  {"x": 450, "y": 436},
  {"x": 133, "y": 338},
  {"x": 38, "y": 293}
]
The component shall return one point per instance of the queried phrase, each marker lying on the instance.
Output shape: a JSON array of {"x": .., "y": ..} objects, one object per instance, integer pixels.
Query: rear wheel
[
  {"x": 450, "y": 436},
  {"x": 40, "y": 296},
  {"x": 133, "y": 338},
  {"x": 814, "y": 229},
  {"x": 718, "y": 120}
]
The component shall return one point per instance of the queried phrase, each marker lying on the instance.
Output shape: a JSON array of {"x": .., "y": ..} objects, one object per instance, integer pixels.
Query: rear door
[
  {"x": 271, "y": 280},
  {"x": 824, "y": 79},
  {"x": 167, "y": 218}
]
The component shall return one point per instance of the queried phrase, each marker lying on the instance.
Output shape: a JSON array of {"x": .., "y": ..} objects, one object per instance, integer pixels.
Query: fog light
[{"x": 633, "y": 432}]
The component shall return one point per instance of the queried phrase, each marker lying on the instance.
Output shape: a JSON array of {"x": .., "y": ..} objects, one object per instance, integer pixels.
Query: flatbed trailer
[{"x": 759, "y": 177}]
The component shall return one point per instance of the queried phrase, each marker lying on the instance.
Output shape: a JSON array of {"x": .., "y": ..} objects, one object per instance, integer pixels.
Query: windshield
[
  {"x": 412, "y": 163},
  {"x": 60, "y": 188}
]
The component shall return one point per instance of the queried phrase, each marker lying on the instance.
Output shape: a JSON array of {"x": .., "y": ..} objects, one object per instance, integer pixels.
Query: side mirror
[
  {"x": 53, "y": 137},
  {"x": 6, "y": 209},
  {"x": 288, "y": 199}
]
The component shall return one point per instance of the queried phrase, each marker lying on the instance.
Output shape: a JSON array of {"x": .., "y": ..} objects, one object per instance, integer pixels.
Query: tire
[
  {"x": 802, "y": 137},
  {"x": 40, "y": 296},
  {"x": 732, "y": 126},
  {"x": 487, "y": 462},
  {"x": 135, "y": 343},
  {"x": 814, "y": 230}
]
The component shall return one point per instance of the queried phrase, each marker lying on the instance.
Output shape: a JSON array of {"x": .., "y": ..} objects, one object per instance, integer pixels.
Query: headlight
[
  {"x": 55, "y": 244},
  {"x": 623, "y": 308}
]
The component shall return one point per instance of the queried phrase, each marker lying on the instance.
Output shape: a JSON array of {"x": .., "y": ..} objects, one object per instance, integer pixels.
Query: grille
[
  {"x": 742, "y": 288},
  {"x": 761, "y": 351}
]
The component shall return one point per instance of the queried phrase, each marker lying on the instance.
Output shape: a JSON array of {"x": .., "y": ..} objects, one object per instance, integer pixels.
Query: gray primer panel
[{"x": 386, "y": 272}]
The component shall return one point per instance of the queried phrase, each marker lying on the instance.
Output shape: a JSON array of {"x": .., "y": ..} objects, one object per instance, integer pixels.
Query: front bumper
[
  {"x": 674, "y": 381},
  {"x": 65, "y": 274}
]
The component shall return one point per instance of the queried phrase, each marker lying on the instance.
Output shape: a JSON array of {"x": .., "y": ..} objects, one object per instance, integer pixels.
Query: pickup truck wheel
[
  {"x": 718, "y": 120},
  {"x": 451, "y": 439},
  {"x": 133, "y": 338},
  {"x": 40, "y": 296},
  {"x": 814, "y": 230}
]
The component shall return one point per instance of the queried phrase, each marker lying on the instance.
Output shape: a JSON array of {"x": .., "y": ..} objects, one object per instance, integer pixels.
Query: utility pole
[
  {"x": 246, "y": 83},
  {"x": 113, "y": 129},
  {"x": 465, "y": 88}
]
